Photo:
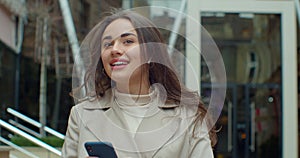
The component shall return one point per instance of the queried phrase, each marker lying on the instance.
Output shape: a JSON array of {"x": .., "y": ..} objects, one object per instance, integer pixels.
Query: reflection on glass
[{"x": 251, "y": 49}]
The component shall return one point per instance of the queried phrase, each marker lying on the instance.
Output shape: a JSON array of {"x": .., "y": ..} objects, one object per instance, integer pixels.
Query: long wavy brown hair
[{"x": 163, "y": 74}]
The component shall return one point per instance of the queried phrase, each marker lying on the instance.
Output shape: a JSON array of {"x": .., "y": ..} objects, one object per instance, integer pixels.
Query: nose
[{"x": 117, "y": 49}]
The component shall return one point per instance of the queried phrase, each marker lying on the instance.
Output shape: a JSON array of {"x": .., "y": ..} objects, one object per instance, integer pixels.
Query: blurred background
[{"x": 258, "y": 41}]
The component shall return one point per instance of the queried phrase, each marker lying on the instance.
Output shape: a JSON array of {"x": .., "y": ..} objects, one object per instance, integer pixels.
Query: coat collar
[
  {"x": 110, "y": 125},
  {"x": 108, "y": 98},
  {"x": 101, "y": 103}
]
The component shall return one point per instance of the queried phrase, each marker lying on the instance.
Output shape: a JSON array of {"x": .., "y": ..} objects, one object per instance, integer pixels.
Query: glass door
[
  {"x": 251, "y": 51},
  {"x": 257, "y": 41}
]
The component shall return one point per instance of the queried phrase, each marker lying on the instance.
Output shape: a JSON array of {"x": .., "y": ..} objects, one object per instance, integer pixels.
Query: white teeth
[{"x": 119, "y": 63}]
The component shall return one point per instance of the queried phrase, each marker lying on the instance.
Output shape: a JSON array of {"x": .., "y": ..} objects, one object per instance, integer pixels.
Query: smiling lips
[{"x": 117, "y": 64}]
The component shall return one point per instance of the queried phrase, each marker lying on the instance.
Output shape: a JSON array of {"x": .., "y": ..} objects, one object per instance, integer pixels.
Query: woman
[{"x": 136, "y": 101}]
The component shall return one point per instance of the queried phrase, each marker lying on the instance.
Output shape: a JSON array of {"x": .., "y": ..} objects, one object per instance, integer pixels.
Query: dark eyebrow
[
  {"x": 107, "y": 38},
  {"x": 127, "y": 34},
  {"x": 122, "y": 35}
]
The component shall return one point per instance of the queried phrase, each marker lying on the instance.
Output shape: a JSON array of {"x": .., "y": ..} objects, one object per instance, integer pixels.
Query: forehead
[{"x": 118, "y": 27}]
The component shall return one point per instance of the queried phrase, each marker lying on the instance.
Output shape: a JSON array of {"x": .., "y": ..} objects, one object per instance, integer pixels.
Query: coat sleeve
[
  {"x": 201, "y": 147},
  {"x": 70, "y": 146},
  {"x": 201, "y": 143}
]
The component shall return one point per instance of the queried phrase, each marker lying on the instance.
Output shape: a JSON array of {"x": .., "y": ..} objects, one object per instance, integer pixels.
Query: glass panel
[
  {"x": 164, "y": 18},
  {"x": 250, "y": 45}
]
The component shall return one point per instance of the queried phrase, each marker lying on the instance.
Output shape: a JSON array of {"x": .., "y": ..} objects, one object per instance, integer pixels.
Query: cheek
[
  {"x": 135, "y": 55},
  {"x": 105, "y": 61},
  {"x": 104, "y": 58}
]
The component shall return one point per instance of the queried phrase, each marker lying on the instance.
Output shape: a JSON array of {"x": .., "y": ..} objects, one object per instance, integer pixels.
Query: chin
[{"x": 118, "y": 78}]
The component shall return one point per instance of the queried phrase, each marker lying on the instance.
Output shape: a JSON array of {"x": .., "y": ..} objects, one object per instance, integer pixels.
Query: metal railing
[
  {"x": 27, "y": 133},
  {"x": 29, "y": 137},
  {"x": 35, "y": 123},
  {"x": 22, "y": 150},
  {"x": 24, "y": 128}
]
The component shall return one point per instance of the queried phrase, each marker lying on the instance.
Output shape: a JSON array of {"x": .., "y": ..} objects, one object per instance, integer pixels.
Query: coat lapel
[
  {"x": 107, "y": 126},
  {"x": 156, "y": 130}
]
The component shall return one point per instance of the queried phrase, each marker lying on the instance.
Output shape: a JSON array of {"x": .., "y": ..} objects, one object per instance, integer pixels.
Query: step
[
  {"x": 38, "y": 151},
  {"x": 4, "y": 151}
]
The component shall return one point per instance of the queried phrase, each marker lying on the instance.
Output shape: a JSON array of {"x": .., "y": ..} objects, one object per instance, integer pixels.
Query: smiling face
[{"x": 121, "y": 55}]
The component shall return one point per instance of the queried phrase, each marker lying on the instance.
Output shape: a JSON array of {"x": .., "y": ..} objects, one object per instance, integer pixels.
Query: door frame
[{"x": 289, "y": 54}]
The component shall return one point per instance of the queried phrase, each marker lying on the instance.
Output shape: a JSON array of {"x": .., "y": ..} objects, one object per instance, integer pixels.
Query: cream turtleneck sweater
[{"x": 134, "y": 107}]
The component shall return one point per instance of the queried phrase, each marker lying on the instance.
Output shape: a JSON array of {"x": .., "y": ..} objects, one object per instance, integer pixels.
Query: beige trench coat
[{"x": 164, "y": 134}]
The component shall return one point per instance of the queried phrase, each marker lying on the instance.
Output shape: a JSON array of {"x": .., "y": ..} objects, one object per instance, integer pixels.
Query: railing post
[{"x": 4, "y": 151}]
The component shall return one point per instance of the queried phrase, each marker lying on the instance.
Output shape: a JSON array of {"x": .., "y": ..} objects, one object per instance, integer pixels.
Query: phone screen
[{"x": 100, "y": 149}]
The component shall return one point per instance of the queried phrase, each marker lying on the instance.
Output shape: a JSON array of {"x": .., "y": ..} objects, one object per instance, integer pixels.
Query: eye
[
  {"x": 107, "y": 44},
  {"x": 128, "y": 41}
]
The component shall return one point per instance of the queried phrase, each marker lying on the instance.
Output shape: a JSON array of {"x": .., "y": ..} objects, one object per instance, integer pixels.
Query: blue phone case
[{"x": 100, "y": 149}]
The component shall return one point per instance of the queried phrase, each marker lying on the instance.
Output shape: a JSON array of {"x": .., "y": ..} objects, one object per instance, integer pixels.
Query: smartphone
[{"x": 100, "y": 149}]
